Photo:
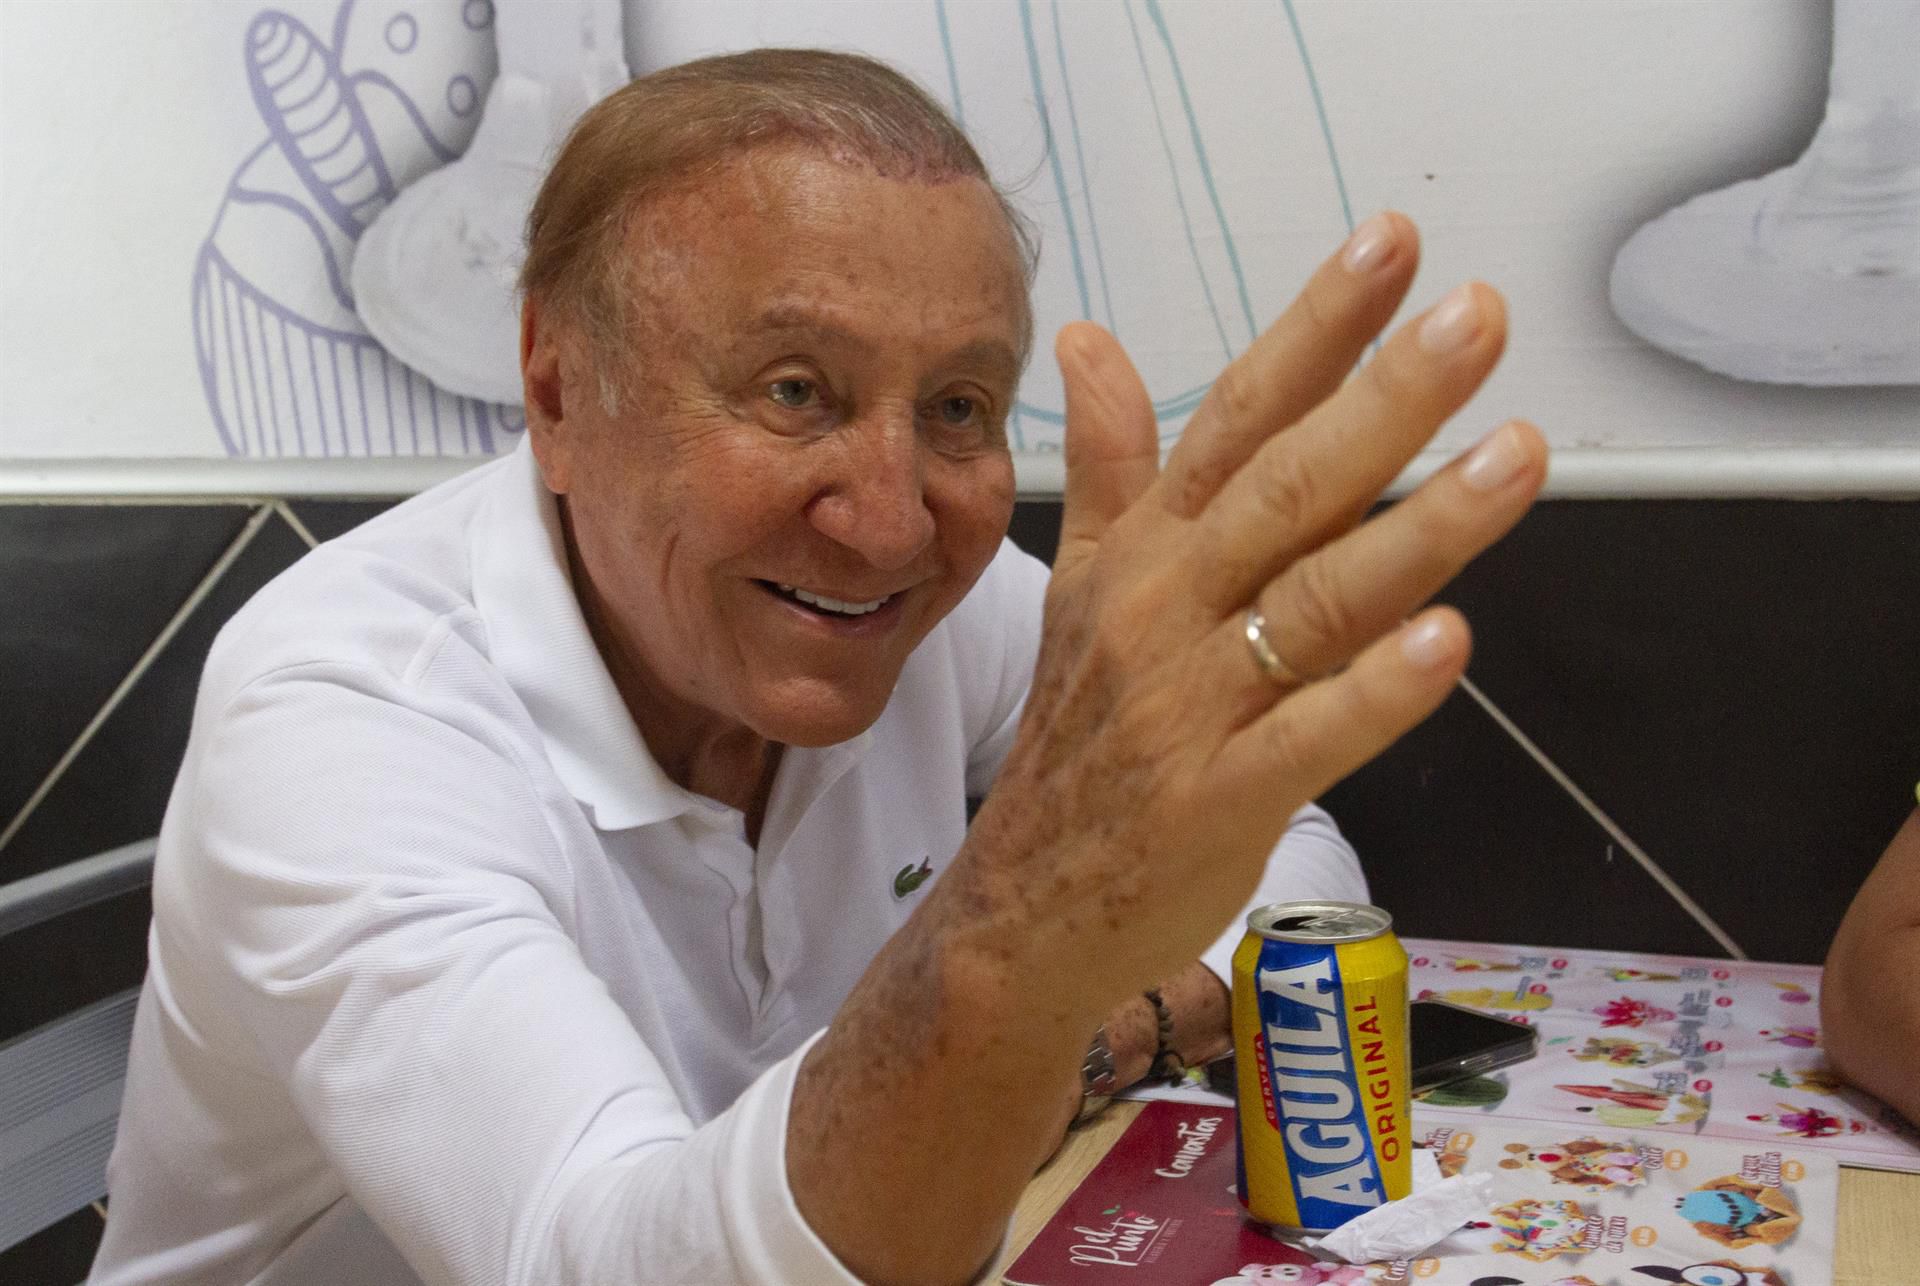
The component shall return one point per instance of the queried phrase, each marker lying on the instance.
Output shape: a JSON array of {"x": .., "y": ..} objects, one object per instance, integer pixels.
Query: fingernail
[
  {"x": 1453, "y": 322},
  {"x": 1368, "y": 246},
  {"x": 1425, "y": 643},
  {"x": 1495, "y": 460}
]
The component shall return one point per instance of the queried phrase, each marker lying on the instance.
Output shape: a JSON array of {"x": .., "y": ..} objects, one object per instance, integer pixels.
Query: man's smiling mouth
[{"x": 824, "y": 605}]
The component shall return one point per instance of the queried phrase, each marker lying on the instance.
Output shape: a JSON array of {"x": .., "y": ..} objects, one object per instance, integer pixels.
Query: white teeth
[{"x": 826, "y": 604}]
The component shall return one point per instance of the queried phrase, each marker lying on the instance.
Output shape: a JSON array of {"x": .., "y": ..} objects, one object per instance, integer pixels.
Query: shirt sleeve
[
  {"x": 1312, "y": 861},
  {"x": 377, "y": 917}
]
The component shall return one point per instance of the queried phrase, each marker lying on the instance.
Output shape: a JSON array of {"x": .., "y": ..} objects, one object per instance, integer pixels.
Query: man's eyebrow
[
  {"x": 992, "y": 353},
  {"x": 789, "y": 317}
]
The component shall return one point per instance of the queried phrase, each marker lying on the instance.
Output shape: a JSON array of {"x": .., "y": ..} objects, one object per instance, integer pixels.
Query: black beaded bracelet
[{"x": 1167, "y": 1064}]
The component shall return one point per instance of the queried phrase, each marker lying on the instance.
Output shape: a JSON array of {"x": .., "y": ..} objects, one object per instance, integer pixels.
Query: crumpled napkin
[{"x": 1402, "y": 1229}]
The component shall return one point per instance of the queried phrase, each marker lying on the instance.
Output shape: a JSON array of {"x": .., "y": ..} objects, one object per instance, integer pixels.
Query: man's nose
[{"x": 876, "y": 503}]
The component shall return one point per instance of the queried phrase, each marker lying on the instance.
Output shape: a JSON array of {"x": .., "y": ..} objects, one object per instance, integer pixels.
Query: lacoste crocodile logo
[{"x": 910, "y": 877}]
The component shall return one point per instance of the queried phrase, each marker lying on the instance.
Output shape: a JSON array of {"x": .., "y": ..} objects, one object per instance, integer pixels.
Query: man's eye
[
  {"x": 795, "y": 395},
  {"x": 959, "y": 412}
]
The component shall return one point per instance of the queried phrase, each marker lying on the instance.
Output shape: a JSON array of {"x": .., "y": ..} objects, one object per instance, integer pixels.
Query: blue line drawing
[
  {"x": 1320, "y": 111},
  {"x": 1206, "y": 170},
  {"x": 1053, "y": 157},
  {"x": 1080, "y": 159},
  {"x": 1139, "y": 230},
  {"x": 1186, "y": 217},
  {"x": 953, "y": 72},
  {"x": 287, "y": 367}
]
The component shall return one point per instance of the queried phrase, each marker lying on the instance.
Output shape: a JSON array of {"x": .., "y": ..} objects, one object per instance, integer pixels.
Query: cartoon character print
[
  {"x": 1577, "y": 1279},
  {"x": 1514, "y": 1001},
  {"x": 1297, "y": 1275},
  {"x": 1793, "y": 1037},
  {"x": 1485, "y": 1092},
  {"x": 1449, "y": 1155},
  {"x": 1720, "y": 1272},
  {"x": 1624, "y": 973},
  {"x": 1467, "y": 964},
  {"x": 1813, "y": 1080},
  {"x": 1627, "y": 1104},
  {"x": 1738, "y": 1213},
  {"x": 1810, "y": 1122},
  {"x": 1629, "y": 1012},
  {"x": 1593, "y": 1164},
  {"x": 1447, "y": 1150},
  {"x": 1616, "y": 1051},
  {"x": 1535, "y": 1229}
]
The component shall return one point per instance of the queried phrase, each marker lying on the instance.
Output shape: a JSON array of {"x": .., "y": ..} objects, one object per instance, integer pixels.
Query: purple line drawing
[
  {"x": 287, "y": 364},
  {"x": 434, "y": 274}
]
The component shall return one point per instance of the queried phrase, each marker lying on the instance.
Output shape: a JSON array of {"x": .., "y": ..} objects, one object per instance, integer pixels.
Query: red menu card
[{"x": 1160, "y": 1207}]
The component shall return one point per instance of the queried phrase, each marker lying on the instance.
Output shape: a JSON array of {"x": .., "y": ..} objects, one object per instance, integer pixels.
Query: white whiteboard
[{"x": 171, "y": 284}]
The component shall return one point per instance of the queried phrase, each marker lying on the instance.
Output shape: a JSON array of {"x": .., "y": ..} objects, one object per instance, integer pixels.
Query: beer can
[{"x": 1322, "y": 1064}]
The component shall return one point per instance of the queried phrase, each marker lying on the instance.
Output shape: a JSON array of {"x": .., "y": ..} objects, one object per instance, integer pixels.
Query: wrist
[{"x": 1133, "y": 1032}]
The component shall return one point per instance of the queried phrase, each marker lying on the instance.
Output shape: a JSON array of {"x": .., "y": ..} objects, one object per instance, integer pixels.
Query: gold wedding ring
[{"x": 1263, "y": 654}]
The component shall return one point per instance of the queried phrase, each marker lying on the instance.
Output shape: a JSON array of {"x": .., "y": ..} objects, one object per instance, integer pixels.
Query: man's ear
[{"x": 543, "y": 381}]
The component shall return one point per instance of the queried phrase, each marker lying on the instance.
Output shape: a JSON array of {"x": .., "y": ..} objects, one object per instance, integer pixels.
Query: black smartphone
[{"x": 1451, "y": 1041}]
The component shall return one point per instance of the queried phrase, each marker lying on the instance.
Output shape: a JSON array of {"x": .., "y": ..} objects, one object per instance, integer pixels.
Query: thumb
[{"x": 1113, "y": 443}]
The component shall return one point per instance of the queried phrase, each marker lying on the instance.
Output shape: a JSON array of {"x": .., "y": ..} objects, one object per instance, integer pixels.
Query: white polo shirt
[{"x": 449, "y": 982}]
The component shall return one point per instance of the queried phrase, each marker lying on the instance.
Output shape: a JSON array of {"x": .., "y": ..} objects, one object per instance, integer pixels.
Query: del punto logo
[
  {"x": 1127, "y": 1239},
  {"x": 1123, "y": 1241}
]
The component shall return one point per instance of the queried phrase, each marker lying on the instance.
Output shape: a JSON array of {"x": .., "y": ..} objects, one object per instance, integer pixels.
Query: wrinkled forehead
[{"x": 735, "y": 225}]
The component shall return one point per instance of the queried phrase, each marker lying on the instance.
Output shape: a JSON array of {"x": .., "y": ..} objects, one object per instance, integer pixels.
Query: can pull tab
[{"x": 1325, "y": 922}]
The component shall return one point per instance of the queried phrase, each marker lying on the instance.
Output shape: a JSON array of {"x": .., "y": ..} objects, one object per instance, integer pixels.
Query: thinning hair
[{"x": 681, "y": 123}]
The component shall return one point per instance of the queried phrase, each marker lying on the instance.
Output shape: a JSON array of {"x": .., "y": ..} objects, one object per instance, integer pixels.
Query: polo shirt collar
[{"x": 540, "y": 641}]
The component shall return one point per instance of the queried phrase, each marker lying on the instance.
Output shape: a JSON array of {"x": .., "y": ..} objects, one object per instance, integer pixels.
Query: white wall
[{"x": 1528, "y": 137}]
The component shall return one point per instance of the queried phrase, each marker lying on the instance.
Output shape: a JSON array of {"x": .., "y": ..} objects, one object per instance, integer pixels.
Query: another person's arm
[{"x": 1870, "y": 997}]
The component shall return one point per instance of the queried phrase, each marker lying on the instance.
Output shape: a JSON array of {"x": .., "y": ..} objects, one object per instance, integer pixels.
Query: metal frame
[{"x": 1577, "y": 473}]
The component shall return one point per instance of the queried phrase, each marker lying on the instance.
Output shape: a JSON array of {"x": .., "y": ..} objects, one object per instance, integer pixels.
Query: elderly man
[{"x": 569, "y": 879}]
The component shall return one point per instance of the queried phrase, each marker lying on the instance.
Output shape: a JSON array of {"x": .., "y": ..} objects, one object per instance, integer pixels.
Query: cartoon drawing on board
[
  {"x": 1133, "y": 222},
  {"x": 1811, "y": 274},
  {"x": 434, "y": 276},
  {"x": 355, "y": 294},
  {"x": 288, "y": 366}
]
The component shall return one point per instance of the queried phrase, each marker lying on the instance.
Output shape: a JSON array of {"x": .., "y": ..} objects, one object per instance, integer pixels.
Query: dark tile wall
[{"x": 1733, "y": 682}]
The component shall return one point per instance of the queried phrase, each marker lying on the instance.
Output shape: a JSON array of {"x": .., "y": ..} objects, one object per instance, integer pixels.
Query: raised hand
[{"x": 1227, "y": 638}]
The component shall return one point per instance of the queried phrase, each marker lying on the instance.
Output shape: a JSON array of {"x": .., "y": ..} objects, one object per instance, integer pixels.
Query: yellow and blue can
[{"x": 1322, "y": 1064}]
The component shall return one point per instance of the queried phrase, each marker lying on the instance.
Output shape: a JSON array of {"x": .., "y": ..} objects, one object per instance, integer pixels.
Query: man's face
[{"x": 809, "y": 466}]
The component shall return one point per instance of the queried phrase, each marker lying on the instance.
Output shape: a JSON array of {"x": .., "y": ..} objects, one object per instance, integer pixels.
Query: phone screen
[{"x": 1451, "y": 1041}]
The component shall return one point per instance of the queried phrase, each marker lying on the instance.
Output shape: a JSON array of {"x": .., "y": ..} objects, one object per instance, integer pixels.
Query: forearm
[
  {"x": 1870, "y": 995},
  {"x": 938, "y": 1088}
]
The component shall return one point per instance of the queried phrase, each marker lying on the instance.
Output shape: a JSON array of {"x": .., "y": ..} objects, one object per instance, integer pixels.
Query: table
[{"x": 1878, "y": 1236}]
